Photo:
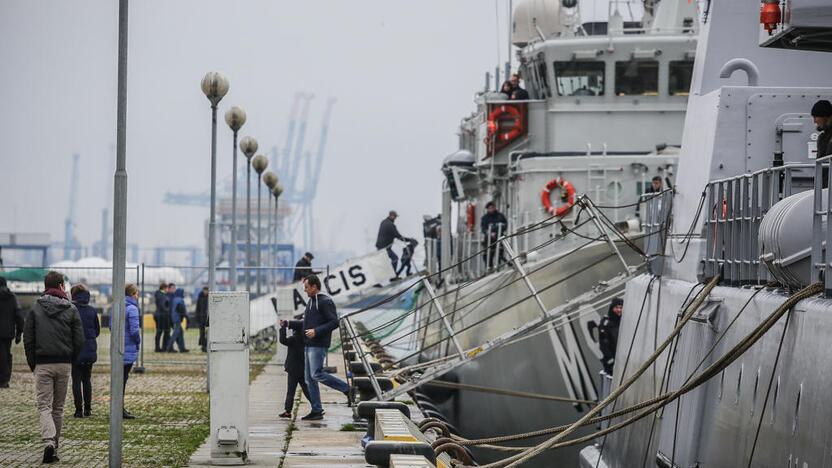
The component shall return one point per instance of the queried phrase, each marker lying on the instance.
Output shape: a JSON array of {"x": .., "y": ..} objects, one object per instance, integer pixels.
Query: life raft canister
[
  {"x": 501, "y": 114},
  {"x": 470, "y": 219},
  {"x": 568, "y": 196}
]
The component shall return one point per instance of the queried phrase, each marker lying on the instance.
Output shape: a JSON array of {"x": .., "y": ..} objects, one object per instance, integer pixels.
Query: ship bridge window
[
  {"x": 637, "y": 77},
  {"x": 679, "y": 77},
  {"x": 580, "y": 78}
]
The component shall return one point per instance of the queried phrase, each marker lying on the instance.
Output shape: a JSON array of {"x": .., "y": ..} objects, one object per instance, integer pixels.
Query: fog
[{"x": 404, "y": 73}]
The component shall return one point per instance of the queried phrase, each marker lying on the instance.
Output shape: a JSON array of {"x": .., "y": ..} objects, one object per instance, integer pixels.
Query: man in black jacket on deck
[
  {"x": 608, "y": 334},
  {"x": 387, "y": 234},
  {"x": 294, "y": 363},
  {"x": 319, "y": 320}
]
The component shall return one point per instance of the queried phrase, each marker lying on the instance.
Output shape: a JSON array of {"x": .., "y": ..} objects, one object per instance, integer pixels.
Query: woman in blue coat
[
  {"x": 82, "y": 367},
  {"x": 132, "y": 334}
]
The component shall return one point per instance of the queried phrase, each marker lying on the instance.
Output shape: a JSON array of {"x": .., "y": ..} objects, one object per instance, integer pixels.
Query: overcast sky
[{"x": 403, "y": 72}]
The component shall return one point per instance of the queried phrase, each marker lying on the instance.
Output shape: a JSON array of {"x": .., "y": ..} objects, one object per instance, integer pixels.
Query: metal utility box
[{"x": 228, "y": 376}]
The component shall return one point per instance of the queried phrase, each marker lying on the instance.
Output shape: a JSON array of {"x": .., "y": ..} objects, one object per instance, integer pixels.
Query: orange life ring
[
  {"x": 497, "y": 114},
  {"x": 568, "y": 196},
  {"x": 470, "y": 217}
]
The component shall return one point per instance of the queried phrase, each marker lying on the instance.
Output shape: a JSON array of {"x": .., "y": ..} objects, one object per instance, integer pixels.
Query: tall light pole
[
  {"x": 259, "y": 163},
  {"x": 270, "y": 179},
  {"x": 215, "y": 86},
  {"x": 276, "y": 191},
  {"x": 235, "y": 118},
  {"x": 248, "y": 145},
  {"x": 119, "y": 246}
]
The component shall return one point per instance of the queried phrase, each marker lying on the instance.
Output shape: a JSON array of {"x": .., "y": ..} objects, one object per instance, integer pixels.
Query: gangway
[{"x": 551, "y": 321}]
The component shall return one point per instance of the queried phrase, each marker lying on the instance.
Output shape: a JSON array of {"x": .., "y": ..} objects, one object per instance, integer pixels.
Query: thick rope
[{"x": 714, "y": 369}]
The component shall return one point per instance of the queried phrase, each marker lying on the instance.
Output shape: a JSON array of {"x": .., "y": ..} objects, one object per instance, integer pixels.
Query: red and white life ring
[
  {"x": 568, "y": 196},
  {"x": 501, "y": 113}
]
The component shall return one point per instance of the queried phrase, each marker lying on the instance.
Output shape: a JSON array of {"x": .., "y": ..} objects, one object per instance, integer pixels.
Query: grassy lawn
[{"x": 169, "y": 400}]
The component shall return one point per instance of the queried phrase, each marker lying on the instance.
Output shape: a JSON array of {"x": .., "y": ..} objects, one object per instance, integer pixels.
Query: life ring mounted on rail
[
  {"x": 503, "y": 113},
  {"x": 470, "y": 217},
  {"x": 567, "y": 195}
]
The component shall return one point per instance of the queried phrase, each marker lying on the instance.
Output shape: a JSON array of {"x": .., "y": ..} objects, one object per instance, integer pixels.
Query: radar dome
[{"x": 531, "y": 18}]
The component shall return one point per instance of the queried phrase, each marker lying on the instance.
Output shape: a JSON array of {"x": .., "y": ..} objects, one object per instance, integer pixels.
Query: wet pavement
[{"x": 310, "y": 443}]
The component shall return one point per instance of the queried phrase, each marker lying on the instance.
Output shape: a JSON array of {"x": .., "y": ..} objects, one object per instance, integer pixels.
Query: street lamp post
[
  {"x": 259, "y": 163},
  {"x": 276, "y": 191},
  {"x": 215, "y": 86},
  {"x": 235, "y": 118},
  {"x": 248, "y": 145},
  {"x": 270, "y": 179}
]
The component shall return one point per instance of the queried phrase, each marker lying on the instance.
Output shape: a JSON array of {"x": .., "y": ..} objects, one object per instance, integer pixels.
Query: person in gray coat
[{"x": 52, "y": 338}]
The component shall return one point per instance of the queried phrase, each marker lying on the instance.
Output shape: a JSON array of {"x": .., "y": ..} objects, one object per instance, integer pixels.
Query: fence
[{"x": 734, "y": 210}]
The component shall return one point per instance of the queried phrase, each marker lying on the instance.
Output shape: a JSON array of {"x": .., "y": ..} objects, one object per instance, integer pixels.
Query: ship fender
[{"x": 567, "y": 196}]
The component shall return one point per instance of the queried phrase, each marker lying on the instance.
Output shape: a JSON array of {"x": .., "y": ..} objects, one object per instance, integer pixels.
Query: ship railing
[
  {"x": 821, "y": 228},
  {"x": 655, "y": 220},
  {"x": 441, "y": 321},
  {"x": 735, "y": 207}
]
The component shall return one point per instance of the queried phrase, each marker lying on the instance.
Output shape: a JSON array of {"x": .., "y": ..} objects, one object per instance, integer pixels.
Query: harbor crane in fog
[
  {"x": 70, "y": 243},
  {"x": 298, "y": 169}
]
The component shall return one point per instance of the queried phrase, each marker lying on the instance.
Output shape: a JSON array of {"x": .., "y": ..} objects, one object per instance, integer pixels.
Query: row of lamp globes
[{"x": 215, "y": 87}]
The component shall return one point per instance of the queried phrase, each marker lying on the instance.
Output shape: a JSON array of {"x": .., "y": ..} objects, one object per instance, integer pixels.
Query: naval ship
[
  {"x": 746, "y": 311},
  {"x": 513, "y": 306}
]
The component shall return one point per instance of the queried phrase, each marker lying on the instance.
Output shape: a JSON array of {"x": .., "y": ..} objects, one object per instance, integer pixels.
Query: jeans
[
  {"x": 5, "y": 360},
  {"x": 291, "y": 388},
  {"x": 82, "y": 386},
  {"x": 51, "y": 381},
  {"x": 314, "y": 373},
  {"x": 394, "y": 259},
  {"x": 177, "y": 337}
]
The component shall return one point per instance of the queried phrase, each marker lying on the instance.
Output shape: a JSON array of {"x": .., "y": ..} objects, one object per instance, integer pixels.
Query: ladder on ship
[{"x": 551, "y": 320}]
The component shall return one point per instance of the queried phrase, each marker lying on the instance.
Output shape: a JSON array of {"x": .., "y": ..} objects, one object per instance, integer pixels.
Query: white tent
[{"x": 97, "y": 271}]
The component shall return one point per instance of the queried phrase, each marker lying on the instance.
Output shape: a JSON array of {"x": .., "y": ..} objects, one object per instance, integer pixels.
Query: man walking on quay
[
  {"x": 11, "y": 328},
  {"x": 162, "y": 318},
  {"x": 319, "y": 319},
  {"x": 202, "y": 318},
  {"x": 52, "y": 337}
]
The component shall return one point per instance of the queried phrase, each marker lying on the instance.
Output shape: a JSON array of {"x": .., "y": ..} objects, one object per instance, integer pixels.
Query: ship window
[
  {"x": 679, "y": 77},
  {"x": 637, "y": 77},
  {"x": 543, "y": 80},
  {"x": 579, "y": 78}
]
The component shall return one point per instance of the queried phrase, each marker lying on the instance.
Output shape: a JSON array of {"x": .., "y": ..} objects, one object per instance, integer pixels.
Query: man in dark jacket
[
  {"x": 294, "y": 363},
  {"x": 303, "y": 267},
  {"x": 492, "y": 225},
  {"x": 178, "y": 312},
  {"x": 53, "y": 338},
  {"x": 387, "y": 234},
  {"x": 202, "y": 317},
  {"x": 822, "y": 115},
  {"x": 82, "y": 367},
  {"x": 162, "y": 318},
  {"x": 518, "y": 93},
  {"x": 11, "y": 328},
  {"x": 319, "y": 320},
  {"x": 608, "y": 334}
]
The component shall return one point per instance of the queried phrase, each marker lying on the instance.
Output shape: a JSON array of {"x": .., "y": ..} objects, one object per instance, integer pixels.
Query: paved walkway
[{"x": 312, "y": 443}]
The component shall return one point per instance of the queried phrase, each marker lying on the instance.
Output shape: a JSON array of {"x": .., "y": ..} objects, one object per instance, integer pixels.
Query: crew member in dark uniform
[
  {"x": 490, "y": 227},
  {"x": 822, "y": 115},
  {"x": 608, "y": 334}
]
